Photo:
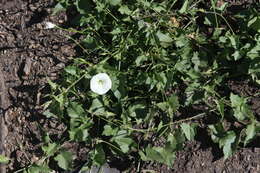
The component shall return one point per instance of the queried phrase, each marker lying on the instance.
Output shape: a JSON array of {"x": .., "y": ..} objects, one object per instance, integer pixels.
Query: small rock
[
  {"x": 32, "y": 7},
  {"x": 67, "y": 50},
  {"x": 19, "y": 36},
  {"x": 61, "y": 21},
  {"x": 105, "y": 169},
  {"x": 257, "y": 150},
  {"x": 27, "y": 66},
  {"x": 60, "y": 65},
  {"x": 39, "y": 26},
  {"x": 55, "y": 47}
]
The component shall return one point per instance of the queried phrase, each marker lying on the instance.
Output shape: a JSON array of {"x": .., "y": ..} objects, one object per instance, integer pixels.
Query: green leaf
[
  {"x": 182, "y": 41},
  {"x": 114, "y": 2},
  {"x": 124, "y": 143},
  {"x": 75, "y": 110},
  {"x": 109, "y": 131},
  {"x": 97, "y": 107},
  {"x": 140, "y": 59},
  {"x": 226, "y": 142},
  {"x": 49, "y": 114},
  {"x": 163, "y": 106},
  {"x": 237, "y": 103},
  {"x": 163, "y": 155},
  {"x": 83, "y": 6},
  {"x": 176, "y": 140},
  {"x": 165, "y": 39},
  {"x": 189, "y": 130},
  {"x": 233, "y": 40},
  {"x": 174, "y": 103},
  {"x": 53, "y": 85},
  {"x": 71, "y": 70},
  {"x": 79, "y": 129},
  {"x": 220, "y": 107},
  {"x": 160, "y": 126},
  {"x": 58, "y": 8},
  {"x": 142, "y": 155},
  {"x": 153, "y": 154},
  {"x": 223, "y": 39},
  {"x": 90, "y": 42},
  {"x": 46, "y": 137},
  {"x": 4, "y": 159},
  {"x": 168, "y": 153},
  {"x": 138, "y": 111},
  {"x": 158, "y": 8},
  {"x": 250, "y": 133},
  {"x": 217, "y": 131},
  {"x": 161, "y": 81},
  {"x": 50, "y": 149},
  {"x": 99, "y": 157},
  {"x": 240, "y": 108},
  {"x": 209, "y": 20},
  {"x": 184, "y": 7},
  {"x": 125, "y": 10},
  {"x": 64, "y": 160},
  {"x": 254, "y": 69},
  {"x": 119, "y": 86},
  {"x": 171, "y": 106},
  {"x": 254, "y": 23},
  {"x": 257, "y": 129},
  {"x": 38, "y": 169},
  {"x": 236, "y": 55},
  {"x": 223, "y": 7}
]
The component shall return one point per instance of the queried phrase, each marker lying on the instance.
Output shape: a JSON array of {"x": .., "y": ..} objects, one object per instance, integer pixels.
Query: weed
[{"x": 149, "y": 49}]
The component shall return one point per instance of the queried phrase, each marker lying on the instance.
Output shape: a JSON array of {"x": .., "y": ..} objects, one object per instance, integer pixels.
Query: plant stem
[{"x": 108, "y": 143}]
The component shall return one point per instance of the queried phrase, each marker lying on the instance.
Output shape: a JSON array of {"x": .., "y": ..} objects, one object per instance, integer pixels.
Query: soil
[{"x": 31, "y": 54}]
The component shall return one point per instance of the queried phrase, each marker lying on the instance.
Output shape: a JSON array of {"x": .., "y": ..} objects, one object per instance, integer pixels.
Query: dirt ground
[{"x": 30, "y": 54}]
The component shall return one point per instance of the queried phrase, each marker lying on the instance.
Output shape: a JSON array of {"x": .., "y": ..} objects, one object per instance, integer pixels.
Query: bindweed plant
[{"x": 143, "y": 65}]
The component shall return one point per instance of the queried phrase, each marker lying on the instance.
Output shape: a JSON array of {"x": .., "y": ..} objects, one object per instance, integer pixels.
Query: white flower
[
  {"x": 49, "y": 25},
  {"x": 100, "y": 83}
]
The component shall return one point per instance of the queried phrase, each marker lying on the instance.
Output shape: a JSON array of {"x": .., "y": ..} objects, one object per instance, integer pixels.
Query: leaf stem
[
  {"x": 108, "y": 143},
  {"x": 209, "y": 12}
]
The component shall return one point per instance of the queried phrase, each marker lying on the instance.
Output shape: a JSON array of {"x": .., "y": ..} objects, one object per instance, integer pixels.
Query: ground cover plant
[{"x": 163, "y": 59}]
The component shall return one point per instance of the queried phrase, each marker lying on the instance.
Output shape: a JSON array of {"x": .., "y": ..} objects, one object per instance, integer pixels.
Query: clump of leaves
[{"x": 149, "y": 49}]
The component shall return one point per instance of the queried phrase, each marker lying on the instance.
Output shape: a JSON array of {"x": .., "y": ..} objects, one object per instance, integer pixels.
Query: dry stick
[{"x": 4, "y": 104}]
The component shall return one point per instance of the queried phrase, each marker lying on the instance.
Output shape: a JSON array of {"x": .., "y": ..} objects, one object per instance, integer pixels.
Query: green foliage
[
  {"x": 164, "y": 154},
  {"x": 34, "y": 168},
  {"x": 64, "y": 160},
  {"x": 50, "y": 149},
  {"x": 240, "y": 108},
  {"x": 162, "y": 60},
  {"x": 189, "y": 130},
  {"x": 226, "y": 139},
  {"x": 250, "y": 132},
  {"x": 3, "y": 159},
  {"x": 98, "y": 155}
]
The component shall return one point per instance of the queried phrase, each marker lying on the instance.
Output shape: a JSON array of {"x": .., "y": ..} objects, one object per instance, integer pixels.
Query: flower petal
[
  {"x": 100, "y": 83},
  {"x": 49, "y": 25}
]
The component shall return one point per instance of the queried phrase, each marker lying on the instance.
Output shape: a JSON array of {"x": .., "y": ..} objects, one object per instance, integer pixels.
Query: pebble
[
  {"x": 32, "y": 7},
  {"x": 60, "y": 65},
  {"x": 27, "y": 66},
  {"x": 257, "y": 150}
]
